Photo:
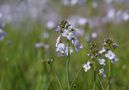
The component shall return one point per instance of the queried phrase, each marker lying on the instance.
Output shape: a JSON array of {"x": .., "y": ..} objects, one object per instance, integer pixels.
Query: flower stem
[
  {"x": 76, "y": 77},
  {"x": 57, "y": 78},
  {"x": 102, "y": 87},
  {"x": 94, "y": 87},
  {"x": 109, "y": 75},
  {"x": 67, "y": 67}
]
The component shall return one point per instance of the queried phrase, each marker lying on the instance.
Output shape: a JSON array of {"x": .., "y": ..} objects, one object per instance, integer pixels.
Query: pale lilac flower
[
  {"x": 50, "y": 24},
  {"x": 101, "y": 72},
  {"x": 39, "y": 45},
  {"x": 77, "y": 45},
  {"x": 114, "y": 60},
  {"x": 68, "y": 32},
  {"x": 69, "y": 35},
  {"x": 82, "y": 21},
  {"x": 80, "y": 31},
  {"x": 58, "y": 29},
  {"x": 94, "y": 35},
  {"x": 102, "y": 61},
  {"x": 61, "y": 48},
  {"x": 125, "y": 16},
  {"x": 111, "y": 13},
  {"x": 110, "y": 55},
  {"x": 87, "y": 66},
  {"x": 2, "y": 34}
]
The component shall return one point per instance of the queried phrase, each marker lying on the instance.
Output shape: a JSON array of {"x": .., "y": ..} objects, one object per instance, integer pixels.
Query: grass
[{"x": 23, "y": 67}]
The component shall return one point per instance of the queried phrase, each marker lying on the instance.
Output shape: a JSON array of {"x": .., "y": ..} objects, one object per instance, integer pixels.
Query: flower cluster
[
  {"x": 69, "y": 33},
  {"x": 106, "y": 53}
]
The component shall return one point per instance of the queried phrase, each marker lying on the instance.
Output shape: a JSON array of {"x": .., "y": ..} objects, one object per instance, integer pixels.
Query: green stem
[
  {"x": 94, "y": 88},
  {"x": 67, "y": 67},
  {"x": 100, "y": 83},
  {"x": 57, "y": 78},
  {"x": 109, "y": 75},
  {"x": 76, "y": 77}
]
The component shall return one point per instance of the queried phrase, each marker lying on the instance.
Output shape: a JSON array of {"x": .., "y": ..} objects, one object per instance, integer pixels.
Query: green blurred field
[{"x": 24, "y": 67}]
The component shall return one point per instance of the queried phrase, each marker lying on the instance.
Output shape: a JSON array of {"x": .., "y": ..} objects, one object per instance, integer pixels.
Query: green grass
[{"x": 23, "y": 67}]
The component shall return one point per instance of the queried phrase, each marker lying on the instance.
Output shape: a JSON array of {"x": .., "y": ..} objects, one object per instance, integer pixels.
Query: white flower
[
  {"x": 102, "y": 51},
  {"x": 101, "y": 72},
  {"x": 87, "y": 66},
  {"x": 58, "y": 40},
  {"x": 69, "y": 35},
  {"x": 102, "y": 61},
  {"x": 70, "y": 28},
  {"x": 110, "y": 55}
]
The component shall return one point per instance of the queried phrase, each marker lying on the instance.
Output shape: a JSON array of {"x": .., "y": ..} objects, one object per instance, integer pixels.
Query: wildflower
[
  {"x": 69, "y": 35},
  {"x": 102, "y": 61},
  {"x": 110, "y": 55},
  {"x": 50, "y": 24},
  {"x": 61, "y": 48},
  {"x": 39, "y": 45},
  {"x": 87, "y": 66},
  {"x": 58, "y": 29},
  {"x": 125, "y": 16},
  {"x": 115, "y": 45},
  {"x": 101, "y": 72},
  {"x": 2, "y": 34},
  {"x": 114, "y": 60},
  {"x": 82, "y": 21},
  {"x": 102, "y": 51},
  {"x": 94, "y": 35},
  {"x": 58, "y": 40},
  {"x": 68, "y": 32},
  {"x": 77, "y": 45},
  {"x": 111, "y": 13}
]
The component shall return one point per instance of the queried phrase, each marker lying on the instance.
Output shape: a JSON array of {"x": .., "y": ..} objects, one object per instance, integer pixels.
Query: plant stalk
[
  {"x": 67, "y": 67},
  {"x": 109, "y": 75},
  {"x": 94, "y": 87}
]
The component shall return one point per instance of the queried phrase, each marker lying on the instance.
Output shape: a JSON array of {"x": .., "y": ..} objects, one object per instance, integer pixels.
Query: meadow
[{"x": 29, "y": 59}]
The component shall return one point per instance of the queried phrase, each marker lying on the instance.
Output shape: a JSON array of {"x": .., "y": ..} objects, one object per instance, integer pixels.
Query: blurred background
[{"x": 28, "y": 37}]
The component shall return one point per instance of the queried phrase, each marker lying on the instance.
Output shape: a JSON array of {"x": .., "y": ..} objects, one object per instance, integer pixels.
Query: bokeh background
[{"x": 28, "y": 37}]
